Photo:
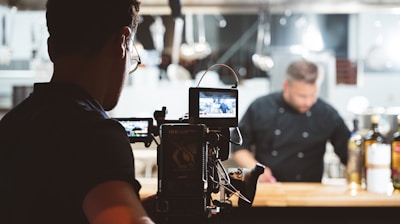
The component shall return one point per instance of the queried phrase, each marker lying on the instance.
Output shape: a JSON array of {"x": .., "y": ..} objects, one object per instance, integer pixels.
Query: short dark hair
[
  {"x": 303, "y": 71},
  {"x": 83, "y": 26}
]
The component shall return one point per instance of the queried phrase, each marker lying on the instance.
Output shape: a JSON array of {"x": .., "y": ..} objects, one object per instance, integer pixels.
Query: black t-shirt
[
  {"x": 290, "y": 143},
  {"x": 54, "y": 147}
]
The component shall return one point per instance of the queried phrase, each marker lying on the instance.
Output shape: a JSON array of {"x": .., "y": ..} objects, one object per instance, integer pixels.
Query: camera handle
[
  {"x": 245, "y": 180},
  {"x": 241, "y": 182},
  {"x": 222, "y": 65}
]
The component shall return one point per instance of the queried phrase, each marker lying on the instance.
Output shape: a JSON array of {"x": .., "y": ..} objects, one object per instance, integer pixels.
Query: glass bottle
[
  {"x": 355, "y": 158},
  {"x": 395, "y": 159},
  {"x": 377, "y": 159}
]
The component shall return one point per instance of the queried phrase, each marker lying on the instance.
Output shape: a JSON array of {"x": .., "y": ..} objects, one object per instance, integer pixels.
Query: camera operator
[
  {"x": 289, "y": 129},
  {"x": 63, "y": 160}
]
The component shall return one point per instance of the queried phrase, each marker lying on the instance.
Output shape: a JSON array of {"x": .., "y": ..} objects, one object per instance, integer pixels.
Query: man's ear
[
  {"x": 123, "y": 38},
  {"x": 285, "y": 84}
]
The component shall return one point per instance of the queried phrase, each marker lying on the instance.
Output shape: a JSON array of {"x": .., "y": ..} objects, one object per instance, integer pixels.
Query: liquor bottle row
[{"x": 373, "y": 159}]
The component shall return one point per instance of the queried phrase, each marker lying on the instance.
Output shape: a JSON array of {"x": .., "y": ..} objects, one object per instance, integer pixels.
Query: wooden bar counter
[
  {"x": 318, "y": 194},
  {"x": 288, "y": 194},
  {"x": 308, "y": 203}
]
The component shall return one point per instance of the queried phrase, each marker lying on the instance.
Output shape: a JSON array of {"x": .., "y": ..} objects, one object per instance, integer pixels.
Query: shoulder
[
  {"x": 263, "y": 108},
  {"x": 324, "y": 106},
  {"x": 101, "y": 129},
  {"x": 266, "y": 105},
  {"x": 326, "y": 110},
  {"x": 270, "y": 100}
]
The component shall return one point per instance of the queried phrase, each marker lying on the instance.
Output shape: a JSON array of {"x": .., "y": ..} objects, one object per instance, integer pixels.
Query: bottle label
[
  {"x": 396, "y": 147},
  {"x": 378, "y": 180},
  {"x": 378, "y": 156},
  {"x": 396, "y": 164},
  {"x": 378, "y": 167}
]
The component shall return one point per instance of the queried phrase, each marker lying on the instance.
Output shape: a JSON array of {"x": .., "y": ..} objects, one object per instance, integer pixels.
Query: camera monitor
[
  {"x": 213, "y": 107},
  {"x": 137, "y": 129}
]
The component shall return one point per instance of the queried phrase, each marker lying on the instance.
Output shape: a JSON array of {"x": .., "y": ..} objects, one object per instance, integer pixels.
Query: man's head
[
  {"x": 83, "y": 26},
  {"x": 301, "y": 87},
  {"x": 90, "y": 44}
]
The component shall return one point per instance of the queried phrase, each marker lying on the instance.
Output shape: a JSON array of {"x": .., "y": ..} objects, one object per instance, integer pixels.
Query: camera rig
[
  {"x": 190, "y": 171},
  {"x": 191, "y": 174}
]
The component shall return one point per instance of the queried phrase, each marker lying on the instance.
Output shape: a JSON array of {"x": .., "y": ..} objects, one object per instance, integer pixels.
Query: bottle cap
[{"x": 375, "y": 118}]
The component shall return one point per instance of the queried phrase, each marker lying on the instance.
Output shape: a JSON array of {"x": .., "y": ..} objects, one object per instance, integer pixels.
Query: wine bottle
[
  {"x": 355, "y": 158},
  {"x": 377, "y": 159},
  {"x": 395, "y": 159}
]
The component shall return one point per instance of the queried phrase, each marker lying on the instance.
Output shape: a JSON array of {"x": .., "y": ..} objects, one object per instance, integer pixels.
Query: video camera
[{"x": 190, "y": 155}]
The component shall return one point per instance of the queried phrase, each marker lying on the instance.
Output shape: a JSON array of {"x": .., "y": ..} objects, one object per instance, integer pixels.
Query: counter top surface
[
  {"x": 318, "y": 194},
  {"x": 305, "y": 194}
]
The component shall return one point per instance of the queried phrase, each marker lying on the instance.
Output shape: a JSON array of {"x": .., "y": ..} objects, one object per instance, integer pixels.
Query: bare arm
[
  {"x": 114, "y": 202},
  {"x": 245, "y": 159}
]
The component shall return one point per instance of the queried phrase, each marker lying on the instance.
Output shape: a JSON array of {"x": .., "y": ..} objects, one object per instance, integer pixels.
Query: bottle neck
[{"x": 374, "y": 127}]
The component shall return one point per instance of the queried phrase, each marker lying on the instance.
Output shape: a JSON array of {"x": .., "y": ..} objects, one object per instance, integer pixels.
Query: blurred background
[{"x": 355, "y": 42}]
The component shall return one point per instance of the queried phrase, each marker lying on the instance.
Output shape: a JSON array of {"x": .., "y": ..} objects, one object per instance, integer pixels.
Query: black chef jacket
[{"x": 290, "y": 143}]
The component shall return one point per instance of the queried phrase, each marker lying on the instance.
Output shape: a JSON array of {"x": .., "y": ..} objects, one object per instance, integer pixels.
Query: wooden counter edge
[{"x": 304, "y": 194}]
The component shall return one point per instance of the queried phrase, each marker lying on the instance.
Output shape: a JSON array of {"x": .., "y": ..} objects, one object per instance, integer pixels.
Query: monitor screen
[
  {"x": 137, "y": 129},
  {"x": 217, "y": 104},
  {"x": 213, "y": 107}
]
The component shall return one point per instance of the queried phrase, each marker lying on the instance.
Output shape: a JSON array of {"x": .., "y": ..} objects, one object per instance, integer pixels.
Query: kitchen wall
[
  {"x": 144, "y": 92},
  {"x": 23, "y": 51}
]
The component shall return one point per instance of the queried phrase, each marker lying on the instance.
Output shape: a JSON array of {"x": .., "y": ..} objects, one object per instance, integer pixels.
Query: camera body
[
  {"x": 189, "y": 157},
  {"x": 182, "y": 174}
]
